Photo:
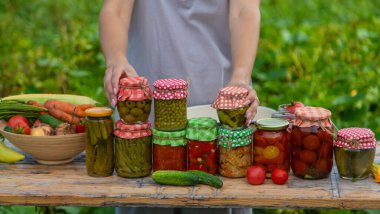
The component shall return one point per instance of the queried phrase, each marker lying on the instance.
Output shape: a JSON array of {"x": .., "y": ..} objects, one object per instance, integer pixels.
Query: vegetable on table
[
  {"x": 256, "y": 175},
  {"x": 186, "y": 178},
  {"x": 279, "y": 176}
]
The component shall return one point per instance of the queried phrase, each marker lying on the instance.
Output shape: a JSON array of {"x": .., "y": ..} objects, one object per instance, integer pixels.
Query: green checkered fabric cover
[
  {"x": 202, "y": 129},
  {"x": 177, "y": 138},
  {"x": 229, "y": 138}
]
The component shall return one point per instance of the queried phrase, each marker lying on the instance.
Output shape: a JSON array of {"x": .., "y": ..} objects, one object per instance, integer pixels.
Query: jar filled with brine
[
  {"x": 271, "y": 144},
  {"x": 170, "y": 104},
  {"x": 235, "y": 152},
  {"x": 201, "y": 134},
  {"x": 169, "y": 150},
  {"x": 354, "y": 150},
  {"x": 312, "y": 143},
  {"x": 99, "y": 142},
  {"x": 133, "y": 149},
  {"x": 134, "y": 99},
  {"x": 231, "y": 107}
]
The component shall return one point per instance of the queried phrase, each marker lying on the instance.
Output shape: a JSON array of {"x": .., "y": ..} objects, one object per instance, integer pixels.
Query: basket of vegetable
[{"x": 46, "y": 126}]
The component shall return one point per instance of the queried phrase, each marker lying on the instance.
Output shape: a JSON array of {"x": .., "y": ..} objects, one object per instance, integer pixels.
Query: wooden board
[{"x": 29, "y": 183}]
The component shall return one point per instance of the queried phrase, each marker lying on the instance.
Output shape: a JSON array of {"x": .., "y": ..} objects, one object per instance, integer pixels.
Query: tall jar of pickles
[
  {"x": 169, "y": 150},
  {"x": 235, "y": 152},
  {"x": 170, "y": 104},
  {"x": 134, "y": 100},
  {"x": 312, "y": 143},
  {"x": 133, "y": 149},
  {"x": 99, "y": 142},
  {"x": 271, "y": 144},
  {"x": 231, "y": 107}
]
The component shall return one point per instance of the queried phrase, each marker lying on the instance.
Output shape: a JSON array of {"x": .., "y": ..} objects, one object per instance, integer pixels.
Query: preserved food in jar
[
  {"x": 201, "y": 135},
  {"x": 133, "y": 150},
  {"x": 134, "y": 99},
  {"x": 235, "y": 152},
  {"x": 231, "y": 108},
  {"x": 271, "y": 144},
  {"x": 169, "y": 150},
  {"x": 312, "y": 143},
  {"x": 355, "y": 150},
  {"x": 170, "y": 104},
  {"x": 99, "y": 142}
]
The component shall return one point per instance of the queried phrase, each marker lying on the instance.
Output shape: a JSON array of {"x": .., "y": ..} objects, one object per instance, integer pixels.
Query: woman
[{"x": 212, "y": 43}]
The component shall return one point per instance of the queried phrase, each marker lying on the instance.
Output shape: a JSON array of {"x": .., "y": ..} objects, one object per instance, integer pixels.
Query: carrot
[
  {"x": 34, "y": 103},
  {"x": 64, "y": 106},
  {"x": 86, "y": 106},
  {"x": 61, "y": 115}
]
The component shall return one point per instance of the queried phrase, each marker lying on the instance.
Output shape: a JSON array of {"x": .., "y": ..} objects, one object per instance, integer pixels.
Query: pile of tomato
[{"x": 202, "y": 156}]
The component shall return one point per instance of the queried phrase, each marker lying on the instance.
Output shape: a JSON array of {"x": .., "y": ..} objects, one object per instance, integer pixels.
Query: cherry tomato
[
  {"x": 257, "y": 150},
  {"x": 308, "y": 156},
  {"x": 256, "y": 175},
  {"x": 311, "y": 142},
  {"x": 279, "y": 176},
  {"x": 19, "y": 124},
  {"x": 271, "y": 152},
  {"x": 299, "y": 168}
]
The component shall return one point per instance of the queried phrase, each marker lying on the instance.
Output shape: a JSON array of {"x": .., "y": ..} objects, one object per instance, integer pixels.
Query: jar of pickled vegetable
[
  {"x": 231, "y": 107},
  {"x": 133, "y": 149},
  {"x": 235, "y": 152},
  {"x": 201, "y": 134},
  {"x": 271, "y": 144},
  {"x": 99, "y": 142},
  {"x": 169, "y": 150},
  {"x": 170, "y": 104},
  {"x": 312, "y": 143},
  {"x": 134, "y": 99},
  {"x": 354, "y": 150}
]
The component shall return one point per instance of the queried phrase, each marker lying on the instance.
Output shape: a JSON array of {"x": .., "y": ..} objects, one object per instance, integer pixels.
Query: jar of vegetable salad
[{"x": 133, "y": 149}]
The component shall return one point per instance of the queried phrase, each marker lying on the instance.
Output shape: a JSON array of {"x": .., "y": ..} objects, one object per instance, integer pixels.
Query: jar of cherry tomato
[
  {"x": 169, "y": 150},
  {"x": 354, "y": 150},
  {"x": 235, "y": 152},
  {"x": 201, "y": 134},
  {"x": 271, "y": 144},
  {"x": 312, "y": 143},
  {"x": 231, "y": 107}
]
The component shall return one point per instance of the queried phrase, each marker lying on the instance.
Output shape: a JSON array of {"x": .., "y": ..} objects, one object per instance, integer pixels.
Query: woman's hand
[{"x": 115, "y": 71}]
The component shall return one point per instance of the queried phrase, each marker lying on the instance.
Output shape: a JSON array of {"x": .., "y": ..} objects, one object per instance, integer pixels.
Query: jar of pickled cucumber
[
  {"x": 170, "y": 104},
  {"x": 231, "y": 107},
  {"x": 99, "y": 142},
  {"x": 271, "y": 144},
  {"x": 134, "y": 100},
  {"x": 169, "y": 150},
  {"x": 201, "y": 134},
  {"x": 312, "y": 143},
  {"x": 354, "y": 150},
  {"x": 133, "y": 149},
  {"x": 235, "y": 152}
]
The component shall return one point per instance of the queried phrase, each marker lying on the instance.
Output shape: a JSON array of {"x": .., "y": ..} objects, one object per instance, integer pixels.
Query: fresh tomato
[
  {"x": 293, "y": 105},
  {"x": 80, "y": 128},
  {"x": 279, "y": 176},
  {"x": 37, "y": 122},
  {"x": 256, "y": 175},
  {"x": 19, "y": 125}
]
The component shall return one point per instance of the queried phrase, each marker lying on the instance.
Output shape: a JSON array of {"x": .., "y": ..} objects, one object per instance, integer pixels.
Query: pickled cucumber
[
  {"x": 134, "y": 111},
  {"x": 170, "y": 115},
  {"x": 232, "y": 118}
]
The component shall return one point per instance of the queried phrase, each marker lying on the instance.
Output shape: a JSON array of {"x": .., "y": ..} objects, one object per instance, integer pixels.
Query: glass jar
[
  {"x": 169, "y": 150},
  {"x": 235, "y": 152},
  {"x": 312, "y": 143},
  {"x": 133, "y": 150},
  {"x": 201, "y": 134},
  {"x": 170, "y": 104},
  {"x": 271, "y": 144},
  {"x": 354, "y": 150},
  {"x": 231, "y": 108},
  {"x": 99, "y": 142},
  {"x": 134, "y": 100}
]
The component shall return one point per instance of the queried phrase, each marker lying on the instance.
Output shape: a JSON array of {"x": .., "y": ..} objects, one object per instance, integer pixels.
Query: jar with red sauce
[
  {"x": 271, "y": 144},
  {"x": 201, "y": 134},
  {"x": 312, "y": 143},
  {"x": 169, "y": 150}
]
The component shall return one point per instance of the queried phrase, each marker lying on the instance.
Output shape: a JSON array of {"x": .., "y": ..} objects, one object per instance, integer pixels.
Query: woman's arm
[
  {"x": 115, "y": 18},
  {"x": 244, "y": 23}
]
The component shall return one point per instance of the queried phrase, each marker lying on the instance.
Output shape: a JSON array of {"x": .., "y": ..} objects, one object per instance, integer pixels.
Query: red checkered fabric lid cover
[
  {"x": 355, "y": 138},
  {"x": 134, "y": 89},
  {"x": 231, "y": 97},
  {"x": 168, "y": 89},
  {"x": 312, "y": 116},
  {"x": 131, "y": 131}
]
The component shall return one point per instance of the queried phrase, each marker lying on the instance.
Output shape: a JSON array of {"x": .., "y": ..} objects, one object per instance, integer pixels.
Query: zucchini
[
  {"x": 176, "y": 178},
  {"x": 207, "y": 178},
  {"x": 41, "y": 98},
  {"x": 50, "y": 120}
]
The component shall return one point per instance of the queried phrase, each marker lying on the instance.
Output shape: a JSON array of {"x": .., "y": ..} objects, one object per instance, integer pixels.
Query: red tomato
[
  {"x": 37, "y": 122},
  {"x": 256, "y": 175},
  {"x": 19, "y": 124},
  {"x": 279, "y": 176},
  {"x": 293, "y": 105}
]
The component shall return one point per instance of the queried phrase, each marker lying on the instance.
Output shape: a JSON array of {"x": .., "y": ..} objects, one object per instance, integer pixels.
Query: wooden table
[{"x": 28, "y": 183}]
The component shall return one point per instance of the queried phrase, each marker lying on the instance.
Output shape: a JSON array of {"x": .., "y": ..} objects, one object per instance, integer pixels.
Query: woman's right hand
[{"x": 116, "y": 70}]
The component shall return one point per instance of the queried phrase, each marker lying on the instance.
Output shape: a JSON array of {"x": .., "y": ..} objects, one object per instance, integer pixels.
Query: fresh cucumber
[
  {"x": 52, "y": 121},
  {"x": 207, "y": 178},
  {"x": 177, "y": 178}
]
